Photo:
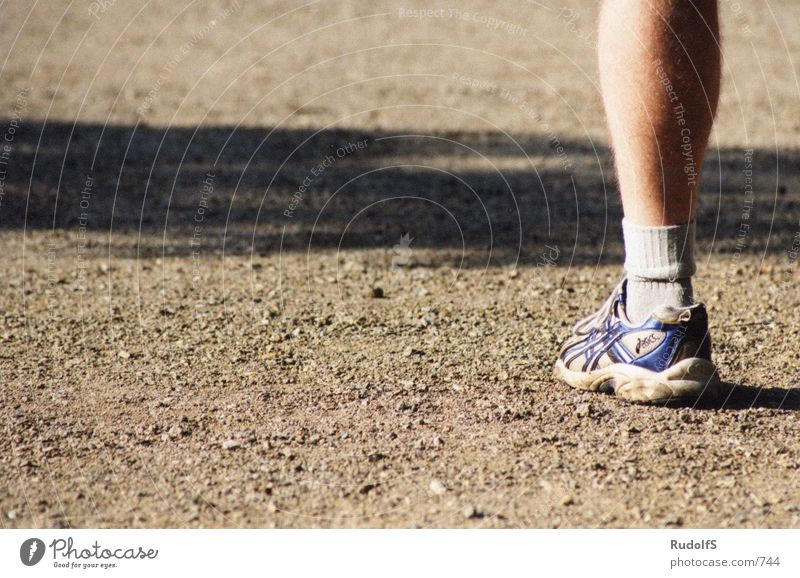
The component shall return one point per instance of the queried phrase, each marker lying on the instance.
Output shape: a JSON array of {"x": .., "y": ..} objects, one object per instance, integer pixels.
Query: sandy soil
[{"x": 211, "y": 315}]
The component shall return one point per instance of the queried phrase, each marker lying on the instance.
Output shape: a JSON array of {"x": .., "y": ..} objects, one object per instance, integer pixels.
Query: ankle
[
  {"x": 659, "y": 262},
  {"x": 643, "y": 296}
]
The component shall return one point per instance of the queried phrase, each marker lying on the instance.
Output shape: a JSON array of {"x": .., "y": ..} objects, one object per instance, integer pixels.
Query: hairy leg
[{"x": 659, "y": 73}]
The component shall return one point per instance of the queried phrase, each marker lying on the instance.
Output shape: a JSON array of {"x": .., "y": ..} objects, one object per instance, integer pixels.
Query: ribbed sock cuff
[{"x": 659, "y": 253}]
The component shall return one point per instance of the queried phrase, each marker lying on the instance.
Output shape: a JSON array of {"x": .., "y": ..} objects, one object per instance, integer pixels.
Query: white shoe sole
[{"x": 688, "y": 379}]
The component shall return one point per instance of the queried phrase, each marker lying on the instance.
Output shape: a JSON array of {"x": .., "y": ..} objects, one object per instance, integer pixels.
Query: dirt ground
[{"x": 309, "y": 265}]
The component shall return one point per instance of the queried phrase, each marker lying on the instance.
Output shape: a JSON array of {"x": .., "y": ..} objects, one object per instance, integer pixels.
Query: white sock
[{"x": 659, "y": 262}]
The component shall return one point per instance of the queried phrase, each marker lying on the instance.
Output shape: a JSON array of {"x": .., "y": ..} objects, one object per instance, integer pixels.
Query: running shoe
[{"x": 665, "y": 358}]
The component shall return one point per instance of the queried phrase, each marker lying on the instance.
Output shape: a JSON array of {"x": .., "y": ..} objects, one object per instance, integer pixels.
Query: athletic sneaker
[{"x": 666, "y": 357}]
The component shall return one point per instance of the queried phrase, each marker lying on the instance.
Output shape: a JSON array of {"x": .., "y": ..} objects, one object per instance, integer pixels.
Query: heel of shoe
[{"x": 690, "y": 378}]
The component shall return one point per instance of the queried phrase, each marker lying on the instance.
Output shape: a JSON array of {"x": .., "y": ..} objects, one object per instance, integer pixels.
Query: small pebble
[{"x": 472, "y": 513}]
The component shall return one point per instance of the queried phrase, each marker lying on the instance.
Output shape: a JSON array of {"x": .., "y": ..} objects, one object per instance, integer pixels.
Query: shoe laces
[{"x": 597, "y": 320}]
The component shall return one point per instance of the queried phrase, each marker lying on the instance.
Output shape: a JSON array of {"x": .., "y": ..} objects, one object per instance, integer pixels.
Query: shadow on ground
[
  {"x": 738, "y": 397},
  {"x": 267, "y": 190}
]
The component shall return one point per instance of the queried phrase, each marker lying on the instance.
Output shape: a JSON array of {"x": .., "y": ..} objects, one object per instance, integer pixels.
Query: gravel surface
[{"x": 320, "y": 278}]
